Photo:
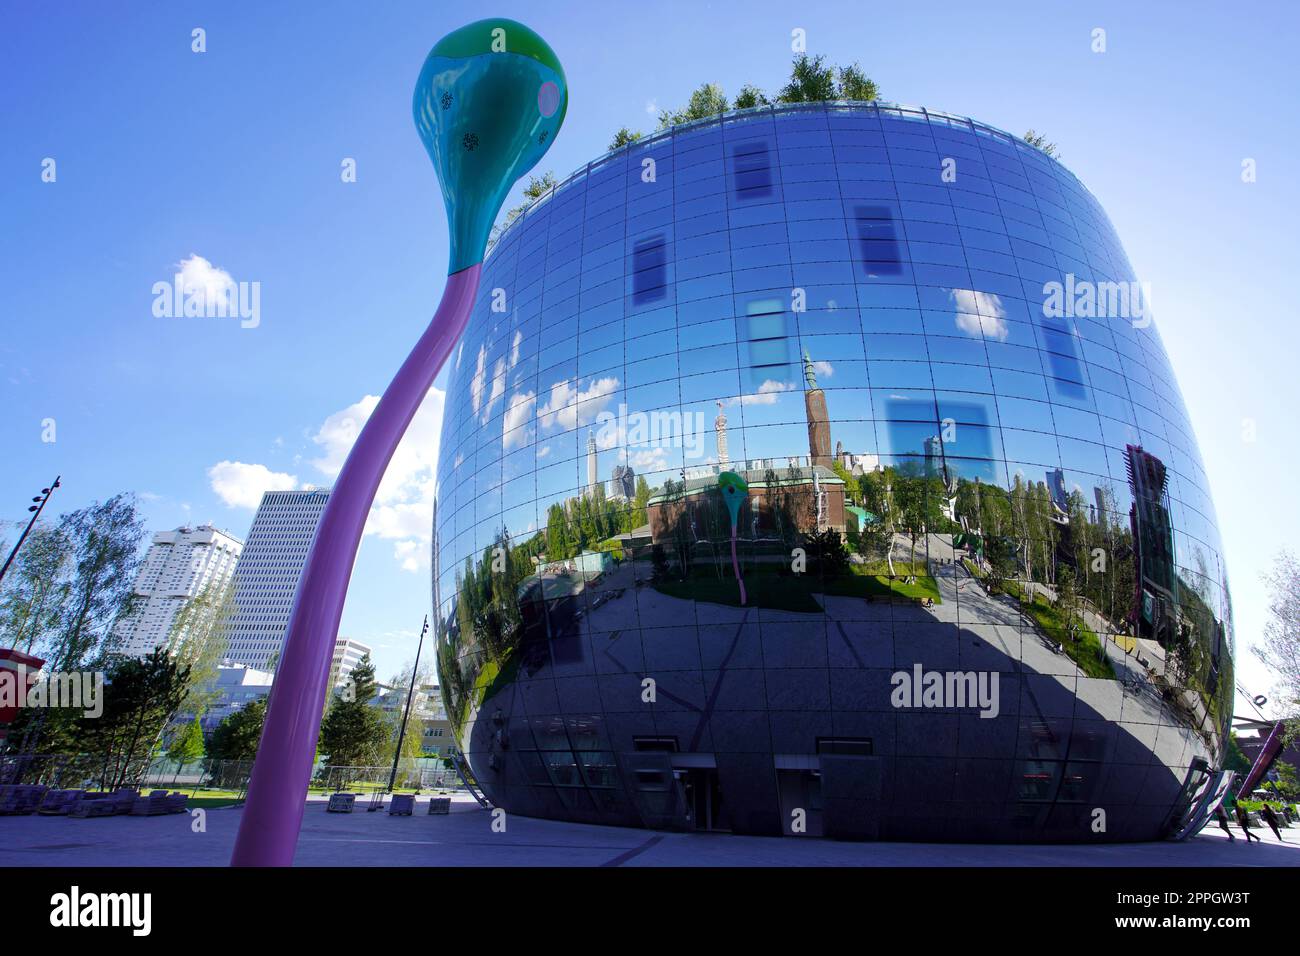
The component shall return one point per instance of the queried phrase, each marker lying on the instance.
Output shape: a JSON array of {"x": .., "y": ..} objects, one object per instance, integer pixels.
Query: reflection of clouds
[
  {"x": 519, "y": 412},
  {"x": 563, "y": 406},
  {"x": 498, "y": 388},
  {"x": 980, "y": 314},
  {"x": 476, "y": 383},
  {"x": 824, "y": 369},
  {"x": 650, "y": 459},
  {"x": 766, "y": 394}
]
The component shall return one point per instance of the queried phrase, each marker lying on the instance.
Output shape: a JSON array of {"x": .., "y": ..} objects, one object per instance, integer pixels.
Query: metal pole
[
  {"x": 401, "y": 734},
  {"x": 45, "y": 496}
]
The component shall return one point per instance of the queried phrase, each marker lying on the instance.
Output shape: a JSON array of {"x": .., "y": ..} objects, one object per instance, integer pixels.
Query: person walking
[
  {"x": 1270, "y": 817},
  {"x": 1221, "y": 815},
  {"x": 1243, "y": 821}
]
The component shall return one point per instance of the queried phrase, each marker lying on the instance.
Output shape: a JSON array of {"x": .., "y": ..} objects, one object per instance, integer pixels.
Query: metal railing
[{"x": 229, "y": 777}]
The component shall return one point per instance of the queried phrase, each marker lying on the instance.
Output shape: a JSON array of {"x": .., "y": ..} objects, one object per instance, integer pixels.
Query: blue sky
[{"x": 234, "y": 155}]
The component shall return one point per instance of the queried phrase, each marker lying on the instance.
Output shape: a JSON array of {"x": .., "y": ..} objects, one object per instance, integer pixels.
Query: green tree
[
  {"x": 140, "y": 696},
  {"x": 750, "y": 96},
  {"x": 197, "y": 638},
  {"x": 1039, "y": 141},
  {"x": 640, "y": 502},
  {"x": 706, "y": 101},
  {"x": 35, "y": 589},
  {"x": 855, "y": 85},
  {"x": 623, "y": 137},
  {"x": 354, "y": 731},
  {"x": 188, "y": 745},
  {"x": 105, "y": 542},
  {"x": 1279, "y": 649},
  {"x": 811, "y": 81},
  {"x": 237, "y": 736}
]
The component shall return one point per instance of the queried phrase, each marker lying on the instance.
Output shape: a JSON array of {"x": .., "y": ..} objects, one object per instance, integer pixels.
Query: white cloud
[
  {"x": 980, "y": 314},
  {"x": 403, "y": 508},
  {"x": 339, "y": 431},
  {"x": 209, "y": 284},
  {"x": 824, "y": 369},
  {"x": 566, "y": 401},
  {"x": 242, "y": 485},
  {"x": 766, "y": 394},
  {"x": 519, "y": 412}
]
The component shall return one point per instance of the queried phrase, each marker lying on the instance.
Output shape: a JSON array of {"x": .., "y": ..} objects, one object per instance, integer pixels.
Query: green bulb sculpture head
[
  {"x": 488, "y": 104},
  {"x": 734, "y": 492}
]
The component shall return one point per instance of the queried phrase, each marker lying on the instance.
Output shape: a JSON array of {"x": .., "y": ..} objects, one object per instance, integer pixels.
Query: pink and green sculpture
[
  {"x": 734, "y": 492},
  {"x": 488, "y": 104}
]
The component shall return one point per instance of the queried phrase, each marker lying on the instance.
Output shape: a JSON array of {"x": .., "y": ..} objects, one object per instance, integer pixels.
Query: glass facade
[{"x": 818, "y": 470}]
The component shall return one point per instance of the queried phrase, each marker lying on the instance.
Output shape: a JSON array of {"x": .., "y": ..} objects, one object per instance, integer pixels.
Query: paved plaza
[{"x": 466, "y": 838}]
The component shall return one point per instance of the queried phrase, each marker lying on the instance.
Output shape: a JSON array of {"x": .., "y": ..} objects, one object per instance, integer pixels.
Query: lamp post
[
  {"x": 410, "y": 693},
  {"x": 36, "y": 510}
]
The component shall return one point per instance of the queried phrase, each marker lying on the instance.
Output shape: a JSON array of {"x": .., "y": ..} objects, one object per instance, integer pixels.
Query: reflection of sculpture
[
  {"x": 734, "y": 492},
  {"x": 487, "y": 104}
]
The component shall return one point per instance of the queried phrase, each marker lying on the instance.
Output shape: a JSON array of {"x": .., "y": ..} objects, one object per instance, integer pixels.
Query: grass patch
[
  {"x": 1084, "y": 647},
  {"x": 764, "y": 588},
  {"x": 875, "y": 582},
  {"x": 208, "y": 801}
]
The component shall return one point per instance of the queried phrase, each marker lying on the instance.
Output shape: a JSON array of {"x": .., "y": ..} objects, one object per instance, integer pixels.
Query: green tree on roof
[
  {"x": 1039, "y": 141},
  {"x": 706, "y": 101},
  {"x": 623, "y": 137},
  {"x": 811, "y": 81}
]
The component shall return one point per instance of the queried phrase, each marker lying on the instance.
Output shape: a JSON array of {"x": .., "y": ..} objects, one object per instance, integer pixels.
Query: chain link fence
[{"x": 225, "y": 777}]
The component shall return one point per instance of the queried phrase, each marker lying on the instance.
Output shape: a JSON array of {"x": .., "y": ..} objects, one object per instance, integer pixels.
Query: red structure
[{"x": 23, "y": 668}]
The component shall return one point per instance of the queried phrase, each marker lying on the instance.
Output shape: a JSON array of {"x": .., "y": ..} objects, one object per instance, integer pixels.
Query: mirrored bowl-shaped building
[{"x": 818, "y": 470}]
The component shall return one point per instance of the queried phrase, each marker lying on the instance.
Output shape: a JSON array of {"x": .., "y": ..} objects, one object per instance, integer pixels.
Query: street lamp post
[
  {"x": 401, "y": 734},
  {"x": 36, "y": 510}
]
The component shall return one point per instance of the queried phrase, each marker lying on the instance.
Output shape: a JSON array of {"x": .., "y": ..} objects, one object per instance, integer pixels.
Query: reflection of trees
[
  {"x": 583, "y": 523},
  {"x": 486, "y": 622}
]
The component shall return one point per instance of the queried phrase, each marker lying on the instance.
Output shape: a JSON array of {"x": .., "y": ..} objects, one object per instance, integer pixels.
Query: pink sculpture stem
[
  {"x": 277, "y": 790},
  {"x": 735, "y": 565}
]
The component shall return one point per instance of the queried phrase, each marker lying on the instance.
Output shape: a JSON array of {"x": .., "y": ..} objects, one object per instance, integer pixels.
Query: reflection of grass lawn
[
  {"x": 764, "y": 588},
  {"x": 1084, "y": 648},
  {"x": 767, "y": 588},
  {"x": 867, "y": 581}
]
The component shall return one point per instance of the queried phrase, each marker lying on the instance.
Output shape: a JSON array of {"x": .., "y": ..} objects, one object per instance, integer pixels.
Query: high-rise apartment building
[
  {"x": 347, "y": 655},
  {"x": 266, "y": 577},
  {"x": 180, "y": 564}
]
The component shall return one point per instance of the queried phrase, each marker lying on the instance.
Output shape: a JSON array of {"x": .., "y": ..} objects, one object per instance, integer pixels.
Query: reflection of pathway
[{"x": 1013, "y": 644}]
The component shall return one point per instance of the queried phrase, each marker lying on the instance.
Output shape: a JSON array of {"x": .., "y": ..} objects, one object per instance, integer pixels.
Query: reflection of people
[
  {"x": 1243, "y": 821},
  {"x": 1270, "y": 817},
  {"x": 1221, "y": 815}
]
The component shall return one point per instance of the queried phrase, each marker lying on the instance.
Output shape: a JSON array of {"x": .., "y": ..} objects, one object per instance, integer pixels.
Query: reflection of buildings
[
  {"x": 811, "y": 499},
  {"x": 857, "y": 465},
  {"x": 819, "y": 426},
  {"x": 592, "y": 480},
  {"x": 1099, "y": 495},
  {"x": 720, "y": 426},
  {"x": 622, "y": 484},
  {"x": 1153, "y": 545},
  {"x": 544, "y": 695},
  {"x": 1060, "y": 500}
]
